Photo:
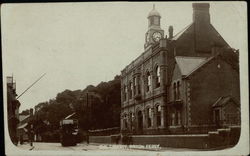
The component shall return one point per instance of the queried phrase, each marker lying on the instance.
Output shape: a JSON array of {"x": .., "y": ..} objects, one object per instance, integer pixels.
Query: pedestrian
[
  {"x": 87, "y": 137},
  {"x": 31, "y": 137},
  {"x": 21, "y": 139}
]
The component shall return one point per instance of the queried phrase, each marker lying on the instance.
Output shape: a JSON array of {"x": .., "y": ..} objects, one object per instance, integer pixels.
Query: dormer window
[{"x": 178, "y": 90}]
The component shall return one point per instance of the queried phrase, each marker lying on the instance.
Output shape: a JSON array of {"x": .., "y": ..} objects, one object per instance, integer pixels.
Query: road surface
[{"x": 96, "y": 147}]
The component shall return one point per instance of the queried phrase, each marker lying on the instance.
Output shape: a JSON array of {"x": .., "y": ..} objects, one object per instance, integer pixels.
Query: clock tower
[{"x": 154, "y": 33}]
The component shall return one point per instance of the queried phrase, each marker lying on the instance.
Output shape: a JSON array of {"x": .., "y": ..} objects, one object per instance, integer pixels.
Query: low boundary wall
[
  {"x": 100, "y": 139},
  {"x": 178, "y": 141},
  {"x": 215, "y": 139}
]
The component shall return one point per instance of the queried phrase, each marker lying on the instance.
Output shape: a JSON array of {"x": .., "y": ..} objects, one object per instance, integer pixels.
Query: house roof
[
  {"x": 23, "y": 117},
  {"x": 22, "y": 126},
  {"x": 175, "y": 37},
  {"x": 223, "y": 100},
  {"x": 69, "y": 116},
  {"x": 189, "y": 64}
]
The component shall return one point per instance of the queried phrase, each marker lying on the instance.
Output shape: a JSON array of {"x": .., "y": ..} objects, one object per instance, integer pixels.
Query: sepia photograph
[{"x": 125, "y": 78}]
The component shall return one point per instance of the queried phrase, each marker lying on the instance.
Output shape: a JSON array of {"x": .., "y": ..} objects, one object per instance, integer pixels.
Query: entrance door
[
  {"x": 217, "y": 117},
  {"x": 140, "y": 122}
]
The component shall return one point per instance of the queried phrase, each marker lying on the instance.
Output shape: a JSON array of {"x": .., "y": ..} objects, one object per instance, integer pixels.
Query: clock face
[{"x": 157, "y": 36}]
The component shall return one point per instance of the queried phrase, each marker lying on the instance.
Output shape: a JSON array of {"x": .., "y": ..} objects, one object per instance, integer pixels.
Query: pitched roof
[
  {"x": 69, "y": 116},
  {"x": 175, "y": 37},
  {"x": 23, "y": 126},
  {"x": 223, "y": 100},
  {"x": 189, "y": 64},
  {"x": 23, "y": 117}
]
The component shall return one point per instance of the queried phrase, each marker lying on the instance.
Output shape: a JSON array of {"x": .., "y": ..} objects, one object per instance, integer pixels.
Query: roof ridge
[
  {"x": 203, "y": 63},
  {"x": 180, "y": 32},
  {"x": 196, "y": 57}
]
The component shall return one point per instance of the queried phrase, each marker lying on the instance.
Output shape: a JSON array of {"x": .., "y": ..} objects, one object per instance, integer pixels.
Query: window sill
[{"x": 178, "y": 126}]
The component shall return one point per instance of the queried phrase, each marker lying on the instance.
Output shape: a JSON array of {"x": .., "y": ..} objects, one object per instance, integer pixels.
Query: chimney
[
  {"x": 170, "y": 31},
  {"x": 201, "y": 13}
]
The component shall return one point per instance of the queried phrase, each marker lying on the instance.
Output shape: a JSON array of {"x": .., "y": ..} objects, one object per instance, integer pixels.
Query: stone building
[
  {"x": 183, "y": 83},
  {"x": 13, "y": 109}
]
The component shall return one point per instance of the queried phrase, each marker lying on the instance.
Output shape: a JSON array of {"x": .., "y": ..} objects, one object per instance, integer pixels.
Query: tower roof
[{"x": 154, "y": 12}]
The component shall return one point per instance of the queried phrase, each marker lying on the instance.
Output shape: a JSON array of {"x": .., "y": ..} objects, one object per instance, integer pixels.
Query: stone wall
[{"x": 218, "y": 139}]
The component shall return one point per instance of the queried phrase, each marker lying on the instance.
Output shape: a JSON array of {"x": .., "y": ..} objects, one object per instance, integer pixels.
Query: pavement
[{"x": 97, "y": 147}]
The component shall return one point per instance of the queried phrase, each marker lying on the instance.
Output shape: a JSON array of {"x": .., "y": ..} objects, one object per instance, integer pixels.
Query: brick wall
[{"x": 223, "y": 81}]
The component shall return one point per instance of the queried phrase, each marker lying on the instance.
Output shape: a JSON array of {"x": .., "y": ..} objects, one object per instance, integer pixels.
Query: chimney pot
[{"x": 170, "y": 31}]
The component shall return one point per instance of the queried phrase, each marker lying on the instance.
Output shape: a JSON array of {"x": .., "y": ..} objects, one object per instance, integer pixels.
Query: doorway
[{"x": 140, "y": 122}]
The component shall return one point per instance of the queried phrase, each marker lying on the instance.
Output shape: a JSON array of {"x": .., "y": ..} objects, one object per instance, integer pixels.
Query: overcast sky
[{"x": 78, "y": 44}]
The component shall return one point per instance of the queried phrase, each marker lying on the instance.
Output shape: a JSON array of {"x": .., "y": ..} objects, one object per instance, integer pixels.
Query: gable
[
  {"x": 216, "y": 60},
  {"x": 224, "y": 101},
  {"x": 183, "y": 31},
  {"x": 176, "y": 72},
  {"x": 187, "y": 64},
  {"x": 194, "y": 41}
]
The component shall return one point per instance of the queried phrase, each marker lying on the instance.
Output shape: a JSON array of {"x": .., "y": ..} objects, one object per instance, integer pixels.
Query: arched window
[
  {"x": 149, "y": 116},
  {"x": 158, "y": 115},
  {"x": 125, "y": 121},
  {"x": 130, "y": 89},
  {"x": 138, "y": 85},
  {"x": 148, "y": 81},
  {"x": 178, "y": 90},
  {"x": 134, "y": 85},
  {"x": 125, "y": 92},
  {"x": 157, "y": 77},
  {"x": 178, "y": 117},
  {"x": 156, "y": 20},
  {"x": 131, "y": 118}
]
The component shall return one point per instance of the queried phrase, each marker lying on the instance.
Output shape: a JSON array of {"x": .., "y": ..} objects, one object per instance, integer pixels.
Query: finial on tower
[{"x": 154, "y": 12}]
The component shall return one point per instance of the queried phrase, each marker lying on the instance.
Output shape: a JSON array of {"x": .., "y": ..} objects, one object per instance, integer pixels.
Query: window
[
  {"x": 125, "y": 122},
  {"x": 130, "y": 89},
  {"x": 158, "y": 110},
  {"x": 134, "y": 85},
  {"x": 174, "y": 90},
  {"x": 178, "y": 118},
  {"x": 149, "y": 115},
  {"x": 148, "y": 82},
  {"x": 173, "y": 119},
  {"x": 156, "y": 20},
  {"x": 131, "y": 121},
  {"x": 138, "y": 85},
  {"x": 157, "y": 78},
  {"x": 151, "y": 21},
  {"x": 125, "y": 92},
  {"x": 178, "y": 90}
]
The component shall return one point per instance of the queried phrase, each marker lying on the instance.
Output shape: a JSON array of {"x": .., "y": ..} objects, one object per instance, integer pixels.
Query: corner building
[{"x": 183, "y": 83}]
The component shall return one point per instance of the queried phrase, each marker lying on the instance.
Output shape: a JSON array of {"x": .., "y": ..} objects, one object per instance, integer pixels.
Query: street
[{"x": 96, "y": 147}]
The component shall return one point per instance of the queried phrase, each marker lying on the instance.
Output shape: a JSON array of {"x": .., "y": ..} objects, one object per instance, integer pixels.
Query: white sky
[{"x": 78, "y": 44}]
